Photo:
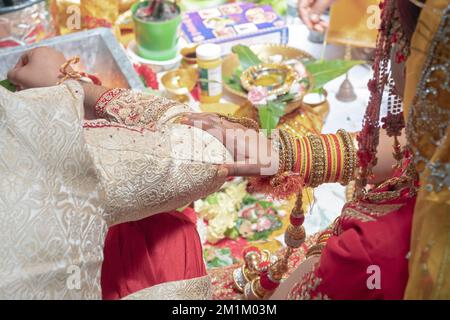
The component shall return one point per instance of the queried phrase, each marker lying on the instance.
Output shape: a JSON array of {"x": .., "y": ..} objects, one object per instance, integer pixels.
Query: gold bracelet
[
  {"x": 289, "y": 151},
  {"x": 349, "y": 157},
  {"x": 303, "y": 155},
  {"x": 282, "y": 154},
  {"x": 327, "y": 155},
  {"x": 295, "y": 150},
  {"x": 315, "y": 250},
  {"x": 246, "y": 122},
  {"x": 334, "y": 162},
  {"x": 318, "y": 161}
]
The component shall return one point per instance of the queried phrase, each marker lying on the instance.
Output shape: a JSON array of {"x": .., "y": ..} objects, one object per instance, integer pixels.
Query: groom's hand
[
  {"x": 40, "y": 67},
  {"x": 36, "y": 68},
  {"x": 253, "y": 152}
]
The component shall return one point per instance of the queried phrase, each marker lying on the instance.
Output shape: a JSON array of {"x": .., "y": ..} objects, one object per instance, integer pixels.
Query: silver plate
[{"x": 99, "y": 51}]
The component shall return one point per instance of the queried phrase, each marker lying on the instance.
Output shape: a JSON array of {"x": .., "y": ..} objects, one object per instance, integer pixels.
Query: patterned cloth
[{"x": 62, "y": 186}]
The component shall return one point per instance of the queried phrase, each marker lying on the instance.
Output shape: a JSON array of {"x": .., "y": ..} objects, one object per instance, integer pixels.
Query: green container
[{"x": 156, "y": 40}]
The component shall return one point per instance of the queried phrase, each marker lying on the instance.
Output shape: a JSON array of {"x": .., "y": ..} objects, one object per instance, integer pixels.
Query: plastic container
[
  {"x": 209, "y": 60},
  {"x": 156, "y": 40}
]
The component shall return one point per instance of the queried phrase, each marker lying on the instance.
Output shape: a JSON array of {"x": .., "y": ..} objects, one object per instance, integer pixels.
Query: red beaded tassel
[{"x": 368, "y": 138}]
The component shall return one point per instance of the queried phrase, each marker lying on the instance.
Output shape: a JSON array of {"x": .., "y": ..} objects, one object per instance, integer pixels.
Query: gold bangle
[
  {"x": 349, "y": 157},
  {"x": 334, "y": 156},
  {"x": 246, "y": 122},
  {"x": 326, "y": 156},
  {"x": 302, "y": 155},
  {"x": 315, "y": 250},
  {"x": 288, "y": 151},
  {"x": 295, "y": 155},
  {"x": 282, "y": 154},
  {"x": 318, "y": 159}
]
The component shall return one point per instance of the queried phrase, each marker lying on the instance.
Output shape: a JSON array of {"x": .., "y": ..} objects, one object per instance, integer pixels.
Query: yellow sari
[{"x": 427, "y": 110}]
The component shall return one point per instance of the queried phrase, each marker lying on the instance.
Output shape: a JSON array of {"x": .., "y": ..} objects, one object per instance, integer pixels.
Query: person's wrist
[{"x": 92, "y": 93}]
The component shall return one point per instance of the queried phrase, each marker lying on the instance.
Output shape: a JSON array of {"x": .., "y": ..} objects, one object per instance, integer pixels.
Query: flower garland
[{"x": 147, "y": 75}]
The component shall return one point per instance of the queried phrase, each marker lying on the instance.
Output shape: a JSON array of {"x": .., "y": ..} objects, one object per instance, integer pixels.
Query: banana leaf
[
  {"x": 323, "y": 71},
  {"x": 270, "y": 114},
  {"x": 247, "y": 57}
]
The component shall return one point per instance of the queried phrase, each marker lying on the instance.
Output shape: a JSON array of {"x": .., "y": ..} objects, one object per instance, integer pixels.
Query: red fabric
[
  {"x": 343, "y": 269},
  {"x": 161, "y": 248}
]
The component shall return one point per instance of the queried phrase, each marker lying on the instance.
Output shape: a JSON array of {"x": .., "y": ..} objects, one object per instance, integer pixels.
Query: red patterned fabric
[
  {"x": 369, "y": 235},
  {"x": 161, "y": 248}
]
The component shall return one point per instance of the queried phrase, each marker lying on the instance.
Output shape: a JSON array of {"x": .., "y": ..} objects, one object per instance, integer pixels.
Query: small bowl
[
  {"x": 180, "y": 81},
  {"x": 277, "y": 78}
]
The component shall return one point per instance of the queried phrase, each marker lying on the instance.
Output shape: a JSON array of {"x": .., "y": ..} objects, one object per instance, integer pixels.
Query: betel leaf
[
  {"x": 247, "y": 57},
  {"x": 323, "y": 71},
  {"x": 8, "y": 85},
  {"x": 234, "y": 83},
  {"x": 270, "y": 114}
]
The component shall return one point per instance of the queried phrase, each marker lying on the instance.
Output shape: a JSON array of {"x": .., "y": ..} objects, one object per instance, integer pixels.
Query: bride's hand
[
  {"x": 252, "y": 151},
  {"x": 38, "y": 67}
]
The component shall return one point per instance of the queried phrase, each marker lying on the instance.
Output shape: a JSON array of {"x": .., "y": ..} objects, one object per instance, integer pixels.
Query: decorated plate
[{"x": 268, "y": 54}]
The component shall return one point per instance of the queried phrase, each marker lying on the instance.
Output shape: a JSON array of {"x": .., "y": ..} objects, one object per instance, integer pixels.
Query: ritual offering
[
  {"x": 157, "y": 26},
  {"x": 275, "y": 80},
  {"x": 226, "y": 25}
]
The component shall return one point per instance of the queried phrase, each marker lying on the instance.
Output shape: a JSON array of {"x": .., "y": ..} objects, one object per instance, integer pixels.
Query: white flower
[
  {"x": 258, "y": 96},
  {"x": 219, "y": 225},
  {"x": 301, "y": 70}
]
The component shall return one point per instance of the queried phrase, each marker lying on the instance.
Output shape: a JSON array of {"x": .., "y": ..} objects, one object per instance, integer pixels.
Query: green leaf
[
  {"x": 249, "y": 200},
  {"x": 270, "y": 115},
  {"x": 8, "y": 85},
  {"x": 286, "y": 98},
  {"x": 232, "y": 233},
  {"x": 247, "y": 57},
  {"x": 265, "y": 204},
  {"x": 234, "y": 83},
  {"x": 212, "y": 199},
  {"x": 323, "y": 71}
]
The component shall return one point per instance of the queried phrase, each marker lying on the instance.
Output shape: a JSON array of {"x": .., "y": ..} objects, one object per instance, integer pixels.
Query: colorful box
[{"x": 235, "y": 23}]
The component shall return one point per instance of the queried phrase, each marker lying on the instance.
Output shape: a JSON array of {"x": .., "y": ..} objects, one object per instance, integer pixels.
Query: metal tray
[{"x": 99, "y": 51}]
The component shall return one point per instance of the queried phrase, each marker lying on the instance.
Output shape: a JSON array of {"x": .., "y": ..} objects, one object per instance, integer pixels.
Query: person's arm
[
  {"x": 132, "y": 108},
  {"x": 319, "y": 158},
  {"x": 139, "y": 172},
  {"x": 143, "y": 172},
  {"x": 41, "y": 66}
]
